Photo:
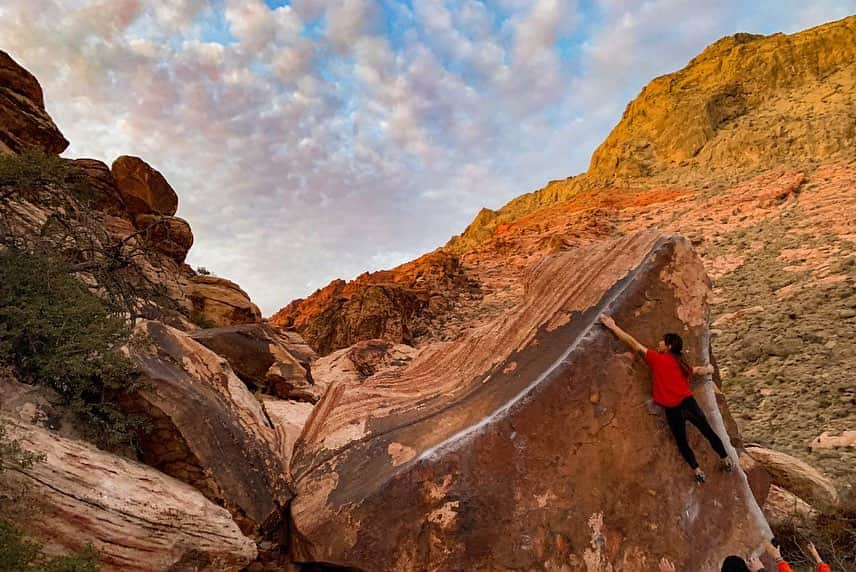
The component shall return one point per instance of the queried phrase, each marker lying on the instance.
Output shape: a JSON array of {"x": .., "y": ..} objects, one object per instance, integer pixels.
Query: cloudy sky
[{"x": 317, "y": 139}]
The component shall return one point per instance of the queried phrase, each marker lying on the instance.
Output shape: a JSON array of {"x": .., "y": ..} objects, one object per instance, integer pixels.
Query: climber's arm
[
  {"x": 702, "y": 369},
  {"x": 622, "y": 335}
]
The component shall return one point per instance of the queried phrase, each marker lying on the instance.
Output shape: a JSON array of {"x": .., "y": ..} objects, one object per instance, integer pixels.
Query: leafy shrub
[
  {"x": 54, "y": 332},
  {"x": 202, "y": 271},
  {"x": 34, "y": 170}
]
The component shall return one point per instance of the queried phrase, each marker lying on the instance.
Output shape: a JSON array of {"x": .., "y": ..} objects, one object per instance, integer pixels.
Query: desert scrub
[{"x": 54, "y": 332}]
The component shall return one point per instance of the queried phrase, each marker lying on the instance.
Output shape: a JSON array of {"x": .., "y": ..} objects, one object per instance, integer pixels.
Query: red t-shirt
[{"x": 670, "y": 385}]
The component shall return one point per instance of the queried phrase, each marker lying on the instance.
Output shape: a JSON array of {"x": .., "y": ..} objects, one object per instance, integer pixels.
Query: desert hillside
[
  {"x": 749, "y": 151},
  {"x": 467, "y": 410}
]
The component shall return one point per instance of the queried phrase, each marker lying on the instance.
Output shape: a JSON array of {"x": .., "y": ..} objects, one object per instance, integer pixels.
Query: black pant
[{"x": 688, "y": 410}]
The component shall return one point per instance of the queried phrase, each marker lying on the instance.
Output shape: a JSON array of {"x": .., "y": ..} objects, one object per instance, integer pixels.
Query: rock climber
[
  {"x": 671, "y": 390},
  {"x": 737, "y": 564}
]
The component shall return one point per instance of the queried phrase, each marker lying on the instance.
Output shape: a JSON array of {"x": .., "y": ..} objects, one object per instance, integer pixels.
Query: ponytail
[{"x": 676, "y": 348}]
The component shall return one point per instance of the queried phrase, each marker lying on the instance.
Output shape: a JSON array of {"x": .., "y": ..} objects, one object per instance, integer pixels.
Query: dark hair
[
  {"x": 734, "y": 564},
  {"x": 676, "y": 348}
]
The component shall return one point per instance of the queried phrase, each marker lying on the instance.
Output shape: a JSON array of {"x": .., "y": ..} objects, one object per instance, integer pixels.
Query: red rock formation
[
  {"x": 101, "y": 181},
  {"x": 529, "y": 442},
  {"x": 259, "y": 356},
  {"x": 208, "y": 430},
  {"x": 167, "y": 234},
  {"x": 23, "y": 119},
  {"x": 221, "y": 302},
  {"x": 360, "y": 361},
  {"x": 143, "y": 188},
  {"x": 397, "y": 305},
  {"x": 137, "y": 518}
]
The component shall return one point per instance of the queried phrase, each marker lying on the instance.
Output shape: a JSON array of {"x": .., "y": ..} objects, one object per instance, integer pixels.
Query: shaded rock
[
  {"x": 259, "y": 356},
  {"x": 208, "y": 430},
  {"x": 136, "y": 517},
  {"x": 759, "y": 479},
  {"x": 222, "y": 302},
  {"x": 288, "y": 418},
  {"x": 23, "y": 119},
  {"x": 168, "y": 234},
  {"x": 143, "y": 189},
  {"x": 360, "y": 361},
  {"x": 487, "y": 452},
  {"x": 101, "y": 181},
  {"x": 783, "y": 508},
  {"x": 797, "y": 477}
]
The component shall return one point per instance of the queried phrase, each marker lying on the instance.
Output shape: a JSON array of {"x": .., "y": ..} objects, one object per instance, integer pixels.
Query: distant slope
[{"x": 746, "y": 104}]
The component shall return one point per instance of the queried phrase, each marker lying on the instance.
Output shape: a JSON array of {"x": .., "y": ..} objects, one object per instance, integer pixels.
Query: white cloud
[{"x": 311, "y": 144}]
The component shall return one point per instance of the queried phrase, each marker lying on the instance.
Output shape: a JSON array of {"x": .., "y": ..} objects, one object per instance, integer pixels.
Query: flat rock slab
[
  {"x": 531, "y": 443},
  {"x": 138, "y": 518}
]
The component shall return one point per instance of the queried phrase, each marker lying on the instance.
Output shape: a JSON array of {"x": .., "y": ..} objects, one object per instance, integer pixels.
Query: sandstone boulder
[
  {"x": 136, "y": 517},
  {"x": 783, "y": 508},
  {"x": 530, "y": 443},
  {"x": 168, "y": 234},
  {"x": 143, "y": 188},
  {"x": 23, "y": 119},
  {"x": 101, "y": 181},
  {"x": 288, "y": 418},
  {"x": 259, "y": 356},
  {"x": 360, "y": 361},
  {"x": 797, "y": 477},
  {"x": 208, "y": 430},
  {"x": 222, "y": 302}
]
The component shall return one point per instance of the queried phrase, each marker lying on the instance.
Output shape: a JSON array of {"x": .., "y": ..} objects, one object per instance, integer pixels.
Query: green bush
[
  {"x": 54, "y": 332},
  {"x": 33, "y": 170}
]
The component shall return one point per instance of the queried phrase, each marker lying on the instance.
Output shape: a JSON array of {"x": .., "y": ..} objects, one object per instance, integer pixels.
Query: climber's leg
[
  {"x": 677, "y": 423},
  {"x": 696, "y": 416}
]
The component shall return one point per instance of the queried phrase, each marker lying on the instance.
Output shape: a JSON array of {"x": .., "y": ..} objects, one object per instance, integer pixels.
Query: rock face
[
  {"x": 399, "y": 305},
  {"x": 136, "y": 517},
  {"x": 168, "y": 234},
  {"x": 101, "y": 181},
  {"x": 360, "y": 361},
  {"x": 259, "y": 356},
  {"x": 797, "y": 477},
  {"x": 222, "y": 302},
  {"x": 208, "y": 430},
  {"x": 143, "y": 188},
  {"x": 288, "y": 418},
  {"x": 732, "y": 97},
  {"x": 530, "y": 442},
  {"x": 23, "y": 119}
]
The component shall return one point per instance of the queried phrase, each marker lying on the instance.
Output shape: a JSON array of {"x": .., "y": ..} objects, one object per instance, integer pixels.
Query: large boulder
[
  {"x": 169, "y": 235},
  {"x": 221, "y": 302},
  {"x": 136, "y": 517},
  {"x": 101, "y": 181},
  {"x": 208, "y": 430},
  {"x": 531, "y": 443},
  {"x": 797, "y": 477},
  {"x": 143, "y": 189},
  {"x": 259, "y": 356},
  {"x": 360, "y": 361},
  {"x": 23, "y": 119}
]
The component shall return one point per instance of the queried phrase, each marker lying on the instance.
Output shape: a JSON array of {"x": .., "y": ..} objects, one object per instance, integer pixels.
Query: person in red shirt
[{"x": 670, "y": 388}]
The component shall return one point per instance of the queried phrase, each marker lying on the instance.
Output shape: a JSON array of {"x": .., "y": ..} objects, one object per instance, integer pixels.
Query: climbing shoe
[{"x": 699, "y": 477}]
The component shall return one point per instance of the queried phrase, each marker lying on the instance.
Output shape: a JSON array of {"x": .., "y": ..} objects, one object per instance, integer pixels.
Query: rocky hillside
[
  {"x": 465, "y": 410},
  {"x": 749, "y": 151}
]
